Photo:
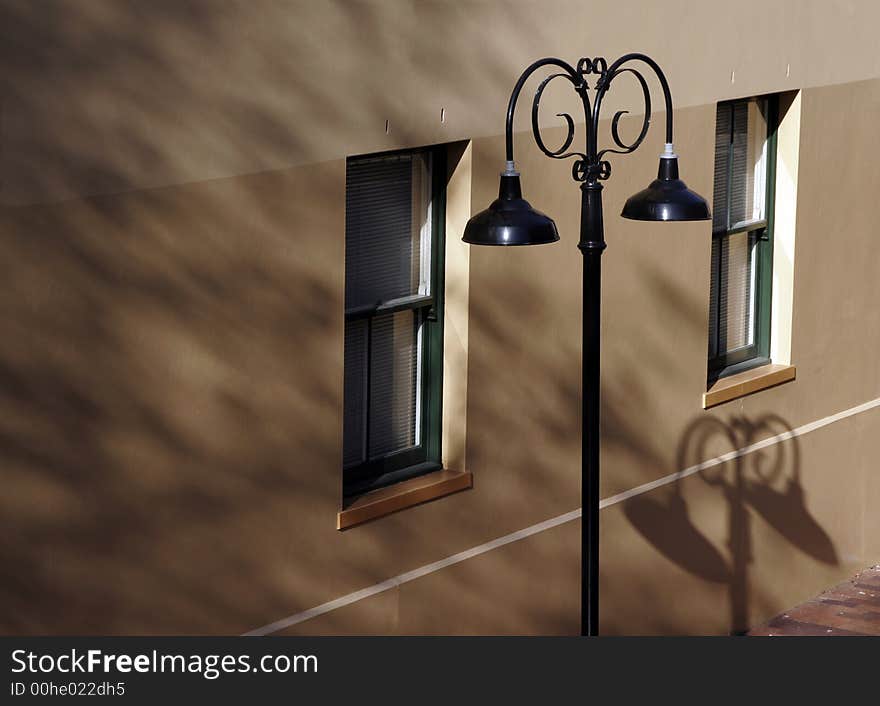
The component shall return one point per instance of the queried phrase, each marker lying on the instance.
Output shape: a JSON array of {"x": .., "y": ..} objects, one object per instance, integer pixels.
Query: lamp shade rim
[
  {"x": 666, "y": 200},
  {"x": 510, "y": 222},
  {"x": 501, "y": 244},
  {"x": 661, "y": 219}
]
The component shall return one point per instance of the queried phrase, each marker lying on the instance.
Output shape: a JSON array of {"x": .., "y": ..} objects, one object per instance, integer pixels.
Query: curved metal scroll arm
[
  {"x": 590, "y": 164},
  {"x": 579, "y": 85},
  {"x": 616, "y": 69},
  {"x": 560, "y": 152},
  {"x": 624, "y": 147}
]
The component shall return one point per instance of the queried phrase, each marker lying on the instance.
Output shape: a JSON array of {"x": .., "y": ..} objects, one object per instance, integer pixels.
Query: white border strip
[
  {"x": 551, "y": 523},
  {"x": 415, "y": 574}
]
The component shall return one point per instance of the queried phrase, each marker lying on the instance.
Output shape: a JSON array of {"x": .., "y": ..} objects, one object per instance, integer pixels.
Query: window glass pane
[
  {"x": 739, "y": 200},
  {"x": 394, "y": 389},
  {"x": 735, "y": 291},
  {"x": 747, "y": 179},
  {"x": 713, "y": 299},
  {"x": 354, "y": 393},
  {"x": 387, "y": 258},
  {"x": 723, "y": 124},
  {"x": 387, "y": 234}
]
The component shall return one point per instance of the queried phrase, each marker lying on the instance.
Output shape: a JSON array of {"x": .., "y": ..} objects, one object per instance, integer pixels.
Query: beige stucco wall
[
  {"x": 171, "y": 349},
  {"x": 113, "y": 95},
  {"x": 658, "y": 572}
]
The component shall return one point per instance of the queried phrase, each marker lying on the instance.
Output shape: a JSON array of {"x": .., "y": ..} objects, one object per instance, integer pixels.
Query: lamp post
[{"x": 510, "y": 220}]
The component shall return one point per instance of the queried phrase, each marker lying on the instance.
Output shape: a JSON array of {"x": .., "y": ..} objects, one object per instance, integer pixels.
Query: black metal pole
[
  {"x": 590, "y": 169},
  {"x": 591, "y": 245}
]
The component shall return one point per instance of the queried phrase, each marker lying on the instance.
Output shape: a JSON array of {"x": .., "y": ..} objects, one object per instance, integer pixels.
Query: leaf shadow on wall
[
  {"x": 170, "y": 357},
  {"x": 115, "y": 96},
  {"x": 154, "y": 411}
]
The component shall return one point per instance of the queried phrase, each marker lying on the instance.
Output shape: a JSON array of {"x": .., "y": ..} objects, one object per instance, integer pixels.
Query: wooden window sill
[
  {"x": 378, "y": 503},
  {"x": 747, "y": 382}
]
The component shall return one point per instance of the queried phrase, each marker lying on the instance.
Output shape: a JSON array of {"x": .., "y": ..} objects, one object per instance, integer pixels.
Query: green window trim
[
  {"x": 424, "y": 457},
  {"x": 747, "y": 357}
]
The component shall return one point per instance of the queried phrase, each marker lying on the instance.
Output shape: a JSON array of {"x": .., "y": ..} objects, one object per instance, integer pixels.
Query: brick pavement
[{"x": 850, "y": 608}]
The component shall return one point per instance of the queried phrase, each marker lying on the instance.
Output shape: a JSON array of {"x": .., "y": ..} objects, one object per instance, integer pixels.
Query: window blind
[
  {"x": 723, "y": 125},
  {"x": 747, "y": 188},
  {"x": 739, "y": 191},
  {"x": 733, "y": 327},
  {"x": 384, "y": 215},
  {"x": 387, "y": 257},
  {"x": 738, "y": 205},
  {"x": 355, "y": 393},
  {"x": 740, "y": 165},
  {"x": 393, "y": 370}
]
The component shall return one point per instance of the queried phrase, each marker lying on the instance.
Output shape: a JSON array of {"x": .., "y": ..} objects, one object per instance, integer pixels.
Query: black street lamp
[{"x": 510, "y": 220}]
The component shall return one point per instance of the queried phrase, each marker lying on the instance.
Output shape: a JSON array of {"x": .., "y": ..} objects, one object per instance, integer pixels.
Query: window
[
  {"x": 393, "y": 318},
  {"x": 742, "y": 236}
]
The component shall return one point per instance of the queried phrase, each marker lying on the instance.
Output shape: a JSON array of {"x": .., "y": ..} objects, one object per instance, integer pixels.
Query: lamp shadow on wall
[
  {"x": 763, "y": 483},
  {"x": 167, "y": 450},
  {"x": 524, "y": 426}
]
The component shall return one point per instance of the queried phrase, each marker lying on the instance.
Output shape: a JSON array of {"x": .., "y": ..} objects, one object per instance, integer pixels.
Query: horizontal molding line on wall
[{"x": 401, "y": 579}]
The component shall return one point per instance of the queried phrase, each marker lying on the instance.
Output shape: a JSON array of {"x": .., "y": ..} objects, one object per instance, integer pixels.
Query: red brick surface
[{"x": 850, "y": 608}]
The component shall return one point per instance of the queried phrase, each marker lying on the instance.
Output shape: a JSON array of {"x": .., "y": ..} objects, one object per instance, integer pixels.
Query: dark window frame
[
  {"x": 425, "y": 457},
  {"x": 729, "y": 362}
]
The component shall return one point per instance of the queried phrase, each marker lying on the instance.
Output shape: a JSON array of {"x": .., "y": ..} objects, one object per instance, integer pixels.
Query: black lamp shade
[
  {"x": 510, "y": 220},
  {"x": 667, "y": 198}
]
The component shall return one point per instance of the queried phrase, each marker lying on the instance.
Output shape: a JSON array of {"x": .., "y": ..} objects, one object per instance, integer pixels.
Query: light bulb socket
[
  {"x": 509, "y": 188},
  {"x": 668, "y": 169}
]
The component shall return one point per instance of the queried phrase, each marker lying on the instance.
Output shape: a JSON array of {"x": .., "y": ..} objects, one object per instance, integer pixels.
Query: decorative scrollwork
[
  {"x": 582, "y": 170},
  {"x": 624, "y": 147},
  {"x": 590, "y": 164},
  {"x": 597, "y": 66},
  {"x": 561, "y": 152}
]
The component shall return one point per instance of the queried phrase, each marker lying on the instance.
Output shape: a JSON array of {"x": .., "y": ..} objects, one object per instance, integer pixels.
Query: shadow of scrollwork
[{"x": 758, "y": 476}]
